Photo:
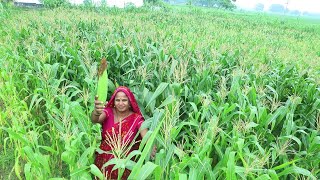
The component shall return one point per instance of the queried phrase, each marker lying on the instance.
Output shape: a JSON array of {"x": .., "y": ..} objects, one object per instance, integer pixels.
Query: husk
[{"x": 102, "y": 89}]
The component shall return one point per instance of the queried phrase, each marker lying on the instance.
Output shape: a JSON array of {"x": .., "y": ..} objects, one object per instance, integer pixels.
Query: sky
[{"x": 301, "y": 5}]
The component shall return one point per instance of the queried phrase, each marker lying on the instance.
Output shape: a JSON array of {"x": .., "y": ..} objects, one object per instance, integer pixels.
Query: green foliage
[
  {"x": 217, "y": 3},
  {"x": 54, "y": 3},
  {"x": 152, "y": 1},
  {"x": 2, "y": 10},
  {"x": 224, "y": 95}
]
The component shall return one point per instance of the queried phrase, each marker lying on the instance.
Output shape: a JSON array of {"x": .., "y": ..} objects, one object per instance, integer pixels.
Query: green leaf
[
  {"x": 273, "y": 174},
  {"x": 296, "y": 170},
  {"x": 263, "y": 177},
  {"x": 78, "y": 171},
  {"x": 30, "y": 154},
  {"x": 44, "y": 161},
  {"x": 58, "y": 124},
  {"x": 145, "y": 152},
  {"x": 15, "y": 135},
  {"x": 79, "y": 114},
  {"x": 169, "y": 152},
  {"x": 183, "y": 176},
  {"x": 231, "y": 171},
  {"x": 83, "y": 160},
  {"x": 280, "y": 112},
  {"x": 49, "y": 149},
  {"x": 170, "y": 99},
  {"x": 132, "y": 154},
  {"x": 194, "y": 173},
  {"x": 297, "y": 140},
  {"x": 27, "y": 171},
  {"x": 158, "y": 91},
  {"x": 67, "y": 157},
  {"x": 96, "y": 171},
  {"x": 285, "y": 164},
  {"x": 146, "y": 170}
]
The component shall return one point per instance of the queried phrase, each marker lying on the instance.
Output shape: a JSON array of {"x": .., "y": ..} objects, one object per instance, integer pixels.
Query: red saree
[{"x": 118, "y": 138}]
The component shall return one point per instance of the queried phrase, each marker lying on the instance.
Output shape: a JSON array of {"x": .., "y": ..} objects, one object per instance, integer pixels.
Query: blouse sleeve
[
  {"x": 106, "y": 122},
  {"x": 105, "y": 110}
]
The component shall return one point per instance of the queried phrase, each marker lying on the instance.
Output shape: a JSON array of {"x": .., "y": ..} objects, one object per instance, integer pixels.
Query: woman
[{"x": 121, "y": 120}]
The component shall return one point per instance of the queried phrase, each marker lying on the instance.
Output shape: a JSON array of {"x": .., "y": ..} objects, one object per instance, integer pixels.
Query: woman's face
[{"x": 121, "y": 102}]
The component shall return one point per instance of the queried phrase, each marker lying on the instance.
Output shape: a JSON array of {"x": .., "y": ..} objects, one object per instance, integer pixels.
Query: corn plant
[{"x": 224, "y": 95}]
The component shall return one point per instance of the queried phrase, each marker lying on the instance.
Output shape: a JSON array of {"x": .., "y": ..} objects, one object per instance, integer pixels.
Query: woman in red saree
[{"x": 121, "y": 120}]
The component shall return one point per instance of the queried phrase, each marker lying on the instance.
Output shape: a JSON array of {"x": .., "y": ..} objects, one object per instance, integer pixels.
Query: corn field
[{"x": 225, "y": 95}]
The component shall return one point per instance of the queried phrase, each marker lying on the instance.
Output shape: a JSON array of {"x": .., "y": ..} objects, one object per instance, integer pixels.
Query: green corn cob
[{"x": 102, "y": 90}]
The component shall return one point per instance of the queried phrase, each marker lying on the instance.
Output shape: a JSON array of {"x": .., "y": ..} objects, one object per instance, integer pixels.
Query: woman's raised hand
[{"x": 98, "y": 106}]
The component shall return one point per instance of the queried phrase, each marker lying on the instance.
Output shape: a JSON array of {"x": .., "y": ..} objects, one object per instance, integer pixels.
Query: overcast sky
[{"x": 301, "y": 5}]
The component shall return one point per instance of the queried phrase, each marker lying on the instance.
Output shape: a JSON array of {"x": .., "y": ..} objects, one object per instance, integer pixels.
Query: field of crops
[{"x": 225, "y": 95}]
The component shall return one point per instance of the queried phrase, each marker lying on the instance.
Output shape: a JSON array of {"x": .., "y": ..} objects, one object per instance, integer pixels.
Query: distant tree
[
  {"x": 295, "y": 12},
  {"x": 54, "y": 3},
  {"x": 259, "y": 7},
  {"x": 279, "y": 8},
  {"x": 226, "y": 4},
  {"x": 190, "y": 2},
  {"x": 152, "y": 1},
  {"x": 6, "y": 3},
  {"x": 218, "y": 3}
]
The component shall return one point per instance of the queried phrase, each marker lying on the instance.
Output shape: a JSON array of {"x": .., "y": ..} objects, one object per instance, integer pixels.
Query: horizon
[
  {"x": 307, "y": 6},
  {"x": 310, "y": 6}
]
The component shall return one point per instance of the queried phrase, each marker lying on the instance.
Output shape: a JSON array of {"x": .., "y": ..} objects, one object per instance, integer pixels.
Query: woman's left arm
[{"x": 143, "y": 132}]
